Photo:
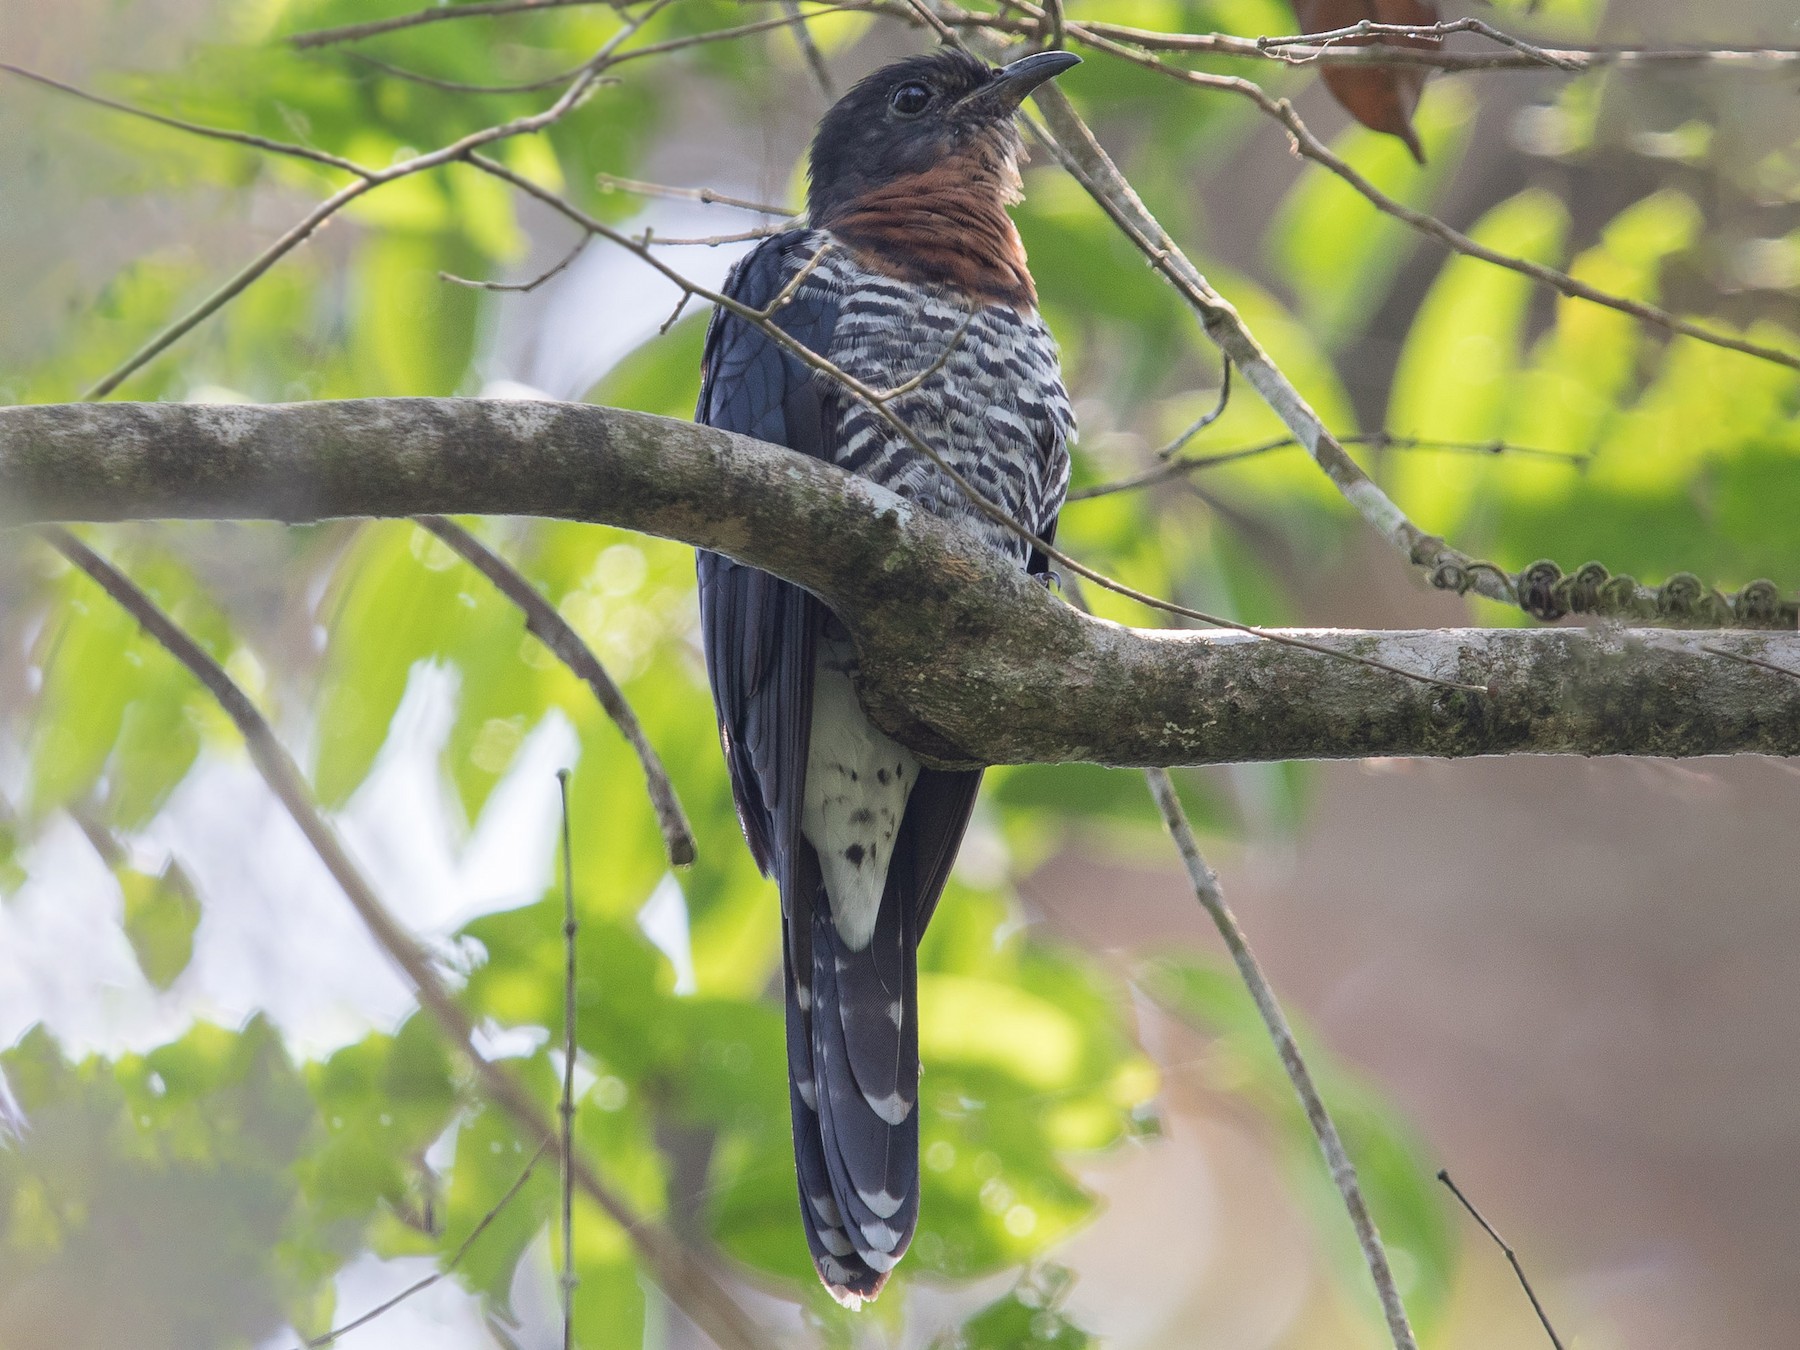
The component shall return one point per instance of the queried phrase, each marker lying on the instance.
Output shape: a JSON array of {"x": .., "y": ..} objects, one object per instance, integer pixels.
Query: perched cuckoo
[{"x": 909, "y": 274}]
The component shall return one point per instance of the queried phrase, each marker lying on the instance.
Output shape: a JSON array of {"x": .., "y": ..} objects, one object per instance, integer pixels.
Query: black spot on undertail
[
  {"x": 862, "y": 816},
  {"x": 854, "y": 855}
]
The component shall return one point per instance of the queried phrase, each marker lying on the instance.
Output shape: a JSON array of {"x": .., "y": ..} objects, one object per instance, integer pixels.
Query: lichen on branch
[{"x": 963, "y": 657}]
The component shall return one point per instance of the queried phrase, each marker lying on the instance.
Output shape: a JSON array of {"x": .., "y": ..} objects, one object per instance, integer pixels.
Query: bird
[{"x": 907, "y": 274}]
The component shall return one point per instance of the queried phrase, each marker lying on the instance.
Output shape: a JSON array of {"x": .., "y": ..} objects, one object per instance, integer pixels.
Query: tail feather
[
  {"x": 853, "y": 1047},
  {"x": 880, "y": 1030},
  {"x": 873, "y": 1162},
  {"x": 833, "y": 1253}
]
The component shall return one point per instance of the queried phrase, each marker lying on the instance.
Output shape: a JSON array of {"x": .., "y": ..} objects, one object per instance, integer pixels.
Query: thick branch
[{"x": 964, "y": 658}]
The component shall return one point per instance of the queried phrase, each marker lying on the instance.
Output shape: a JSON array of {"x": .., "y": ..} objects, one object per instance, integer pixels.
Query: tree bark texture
[{"x": 963, "y": 657}]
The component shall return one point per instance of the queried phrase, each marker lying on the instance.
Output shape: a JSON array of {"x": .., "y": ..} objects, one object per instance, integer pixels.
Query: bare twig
[
  {"x": 815, "y": 59},
  {"x": 1366, "y": 29},
  {"x": 1206, "y": 419},
  {"x": 243, "y": 138},
  {"x": 687, "y": 1281},
  {"x": 638, "y": 187},
  {"x": 1512, "y": 1257},
  {"x": 907, "y": 386},
  {"x": 550, "y": 628},
  {"x": 525, "y": 287},
  {"x": 1756, "y": 661},
  {"x": 635, "y": 54},
  {"x": 712, "y": 240},
  {"x": 1379, "y": 440},
  {"x": 450, "y": 86},
  {"x": 462, "y": 1250},
  {"x": 1343, "y": 1173},
  {"x": 566, "y": 1107},
  {"x": 355, "y": 32},
  {"x": 1521, "y": 56}
]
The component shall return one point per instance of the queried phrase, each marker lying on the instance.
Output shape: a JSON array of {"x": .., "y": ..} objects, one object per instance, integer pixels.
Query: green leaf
[
  {"x": 1395, "y": 1176},
  {"x": 1457, "y": 375},
  {"x": 383, "y": 1100},
  {"x": 412, "y": 332},
  {"x": 1028, "y": 1318},
  {"x": 12, "y": 871},
  {"x": 195, "y": 1144},
  {"x": 1334, "y": 248},
  {"x": 161, "y": 914}
]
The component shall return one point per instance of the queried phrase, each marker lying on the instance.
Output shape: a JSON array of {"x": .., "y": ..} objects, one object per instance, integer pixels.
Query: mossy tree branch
[{"x": 964, "y": 658}]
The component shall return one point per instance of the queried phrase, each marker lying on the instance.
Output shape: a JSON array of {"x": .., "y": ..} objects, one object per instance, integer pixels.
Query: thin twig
[
  {"x": 420, "y": 1286},
  {"x": 1206, "y": 419},
  {"x": 567, "y": 1105},
  {"x": 907, "y": 386},
  {"x": 1426, "y": 32},
  {"x": 1511, "y": 1257},
  {"x": 635, "y": 54},
  {"x": 244, "y": 138},
  {"x": 1756, "y": 661},
  {"x": 450, "y": 86},
  {"x": 815, "y": 59},
  {"x": 638, "y": 187},
  {"x": 1343, "y": 1173},
  {"x": 355, "y": 32},
  {"x": 1379, "y": 440},
  {"x": 713, "y": 240},
  {"x": 547, "y": 625},
  {"x": 688, "y": 1282},
  {"x": 934, "y": 21},
  {"x": 663, "y": 328},
  {"x": 1522, "y": 56},
  {"x": 525, "y": 287}
]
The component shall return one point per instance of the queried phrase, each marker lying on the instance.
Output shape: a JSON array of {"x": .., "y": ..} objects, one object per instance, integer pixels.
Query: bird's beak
[{"x": 1003, "y": 94}]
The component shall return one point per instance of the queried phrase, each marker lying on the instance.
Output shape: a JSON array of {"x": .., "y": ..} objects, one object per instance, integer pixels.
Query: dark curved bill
[{"x": 1012, "y": 83}]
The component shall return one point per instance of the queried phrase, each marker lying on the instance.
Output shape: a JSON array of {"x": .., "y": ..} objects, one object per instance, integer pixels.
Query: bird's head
[{"x": 915, "y": 115}]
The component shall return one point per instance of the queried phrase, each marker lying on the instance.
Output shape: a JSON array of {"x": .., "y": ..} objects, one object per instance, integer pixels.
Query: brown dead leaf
[{"x": 1380, "y": 97}]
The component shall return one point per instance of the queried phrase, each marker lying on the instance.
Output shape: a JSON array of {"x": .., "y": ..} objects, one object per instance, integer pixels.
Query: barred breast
[{"x": 993, "y": 406}]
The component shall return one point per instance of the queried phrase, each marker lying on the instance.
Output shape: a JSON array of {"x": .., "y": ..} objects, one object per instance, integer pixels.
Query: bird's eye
[{"x": 909, "y": 100}]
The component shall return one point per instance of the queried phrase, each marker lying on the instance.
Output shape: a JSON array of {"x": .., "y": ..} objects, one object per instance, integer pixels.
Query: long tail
[
  {"x": 853, "y": 1072},
  {"x": 853, "y": 1047}
]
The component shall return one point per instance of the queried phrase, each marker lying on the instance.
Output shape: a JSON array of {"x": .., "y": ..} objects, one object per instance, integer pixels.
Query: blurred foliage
[
  {"x": 1414, "y": 1223},
  {"x": 261, "y": 1177}
]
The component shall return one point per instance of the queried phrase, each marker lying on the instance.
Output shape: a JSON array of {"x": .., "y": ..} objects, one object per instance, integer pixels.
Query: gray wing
[
  {"x": 759, "y": 631},
  {"x": 760, "y": 635}
]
